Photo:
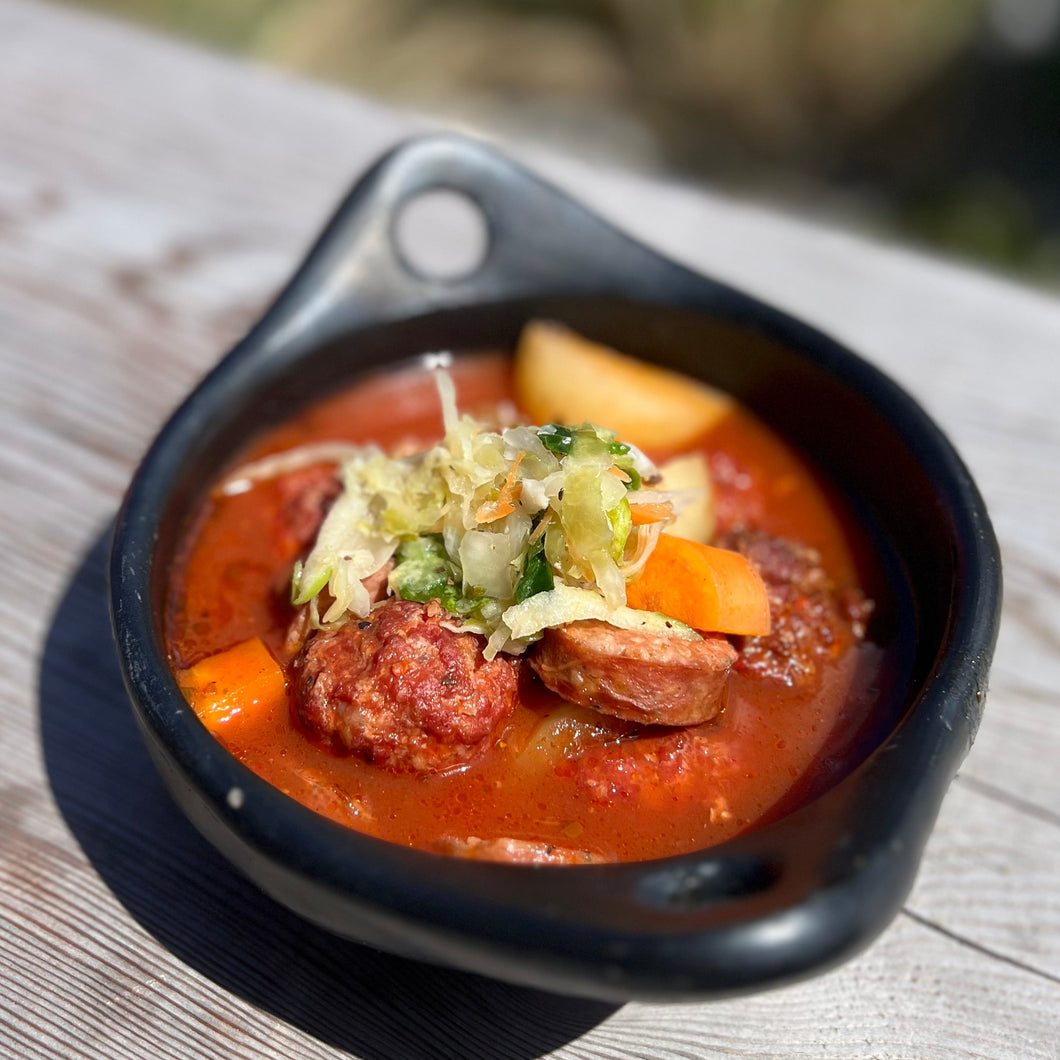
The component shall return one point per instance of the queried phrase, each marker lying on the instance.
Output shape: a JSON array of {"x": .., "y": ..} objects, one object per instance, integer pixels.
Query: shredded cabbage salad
[{"x": 511, "y": 530}]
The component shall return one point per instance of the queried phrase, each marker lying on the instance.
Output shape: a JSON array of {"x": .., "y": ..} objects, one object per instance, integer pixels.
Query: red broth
[{"x": 548, "y": 776}]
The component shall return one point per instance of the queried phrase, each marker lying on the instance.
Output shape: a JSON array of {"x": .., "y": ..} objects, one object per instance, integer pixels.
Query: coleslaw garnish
[{"x": 512, "y": 530}]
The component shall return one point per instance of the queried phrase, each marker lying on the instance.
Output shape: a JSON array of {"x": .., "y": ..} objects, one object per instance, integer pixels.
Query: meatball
[
  {"x": 403, "y": 691},
  {"x": 638, "y": 676},
  {"x": 811, "y": 619}
]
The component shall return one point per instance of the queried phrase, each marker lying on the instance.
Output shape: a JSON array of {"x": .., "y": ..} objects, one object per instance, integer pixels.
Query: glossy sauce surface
[{"x": 554, "y": 774}]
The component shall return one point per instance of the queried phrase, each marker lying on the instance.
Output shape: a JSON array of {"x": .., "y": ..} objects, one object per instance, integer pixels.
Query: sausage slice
[{"x": 643, "y": 677}]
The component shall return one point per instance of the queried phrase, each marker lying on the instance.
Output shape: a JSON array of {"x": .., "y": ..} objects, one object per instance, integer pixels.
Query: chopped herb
[
  {"x": 556, "y": 438},
  {"x": 635, "y": 481},
  {"x": 425, "y": 572},
  {"x": 537, "y": 573}
]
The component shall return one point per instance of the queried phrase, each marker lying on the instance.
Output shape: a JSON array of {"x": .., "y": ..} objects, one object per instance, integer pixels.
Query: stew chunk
[
  {"x": 638, "y": 676},
  {"x": 305, "y": 496},
  {"x": 813, "y": 621},
  {"x": 402, "y": 691}
]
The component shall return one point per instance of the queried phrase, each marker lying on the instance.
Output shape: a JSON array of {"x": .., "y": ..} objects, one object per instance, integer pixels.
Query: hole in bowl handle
[{"x": 538, "y": 242}]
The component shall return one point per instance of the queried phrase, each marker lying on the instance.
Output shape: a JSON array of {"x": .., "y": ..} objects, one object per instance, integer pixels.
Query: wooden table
[{"x": 152, "y": 197}]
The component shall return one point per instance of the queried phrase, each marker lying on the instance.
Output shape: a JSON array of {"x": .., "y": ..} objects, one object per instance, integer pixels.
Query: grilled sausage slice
[{"x": 643, "y": 677}]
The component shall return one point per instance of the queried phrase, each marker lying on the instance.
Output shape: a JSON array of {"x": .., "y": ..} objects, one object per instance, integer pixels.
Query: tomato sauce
[{"x": 554, "y": 774}]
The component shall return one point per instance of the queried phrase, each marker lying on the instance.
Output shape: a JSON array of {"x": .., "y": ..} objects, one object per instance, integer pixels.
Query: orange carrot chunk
[
  {"x": 710, "y": 589},
  {"x": 507, "y": 498},
  {"x": 241, "y": 680},
  {"x": 651, "y": 512}
]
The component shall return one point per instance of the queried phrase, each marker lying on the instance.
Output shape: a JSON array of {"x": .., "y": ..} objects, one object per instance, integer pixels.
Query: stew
[{"x": 695, "y": 669}]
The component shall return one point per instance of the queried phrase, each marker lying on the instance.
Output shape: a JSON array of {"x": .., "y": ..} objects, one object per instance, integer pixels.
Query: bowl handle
[{"x": 538, "y": 242}]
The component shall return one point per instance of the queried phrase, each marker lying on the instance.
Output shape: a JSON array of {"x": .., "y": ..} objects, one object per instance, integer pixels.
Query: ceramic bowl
[{"x": 777, "y": 904}]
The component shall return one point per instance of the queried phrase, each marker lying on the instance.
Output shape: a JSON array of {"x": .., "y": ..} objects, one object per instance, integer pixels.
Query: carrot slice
[
  {"x": 651, "y": 512},
  {"x": 507, "y": 498},
  {"x": 707, "y": 588},
  {"x": 245, "y": 678}
]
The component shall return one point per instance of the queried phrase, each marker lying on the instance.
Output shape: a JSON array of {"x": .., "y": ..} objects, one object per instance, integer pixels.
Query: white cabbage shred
[{"x": 531, "y": 528}]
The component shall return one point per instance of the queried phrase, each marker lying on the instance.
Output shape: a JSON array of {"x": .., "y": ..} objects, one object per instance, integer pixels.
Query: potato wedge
[
  {"x": 561, "y": 377},
  {"x": 689, "y": 478}
]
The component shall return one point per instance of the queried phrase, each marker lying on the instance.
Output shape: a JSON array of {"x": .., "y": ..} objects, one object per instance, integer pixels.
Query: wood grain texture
[{"x": 152, "y": 197}]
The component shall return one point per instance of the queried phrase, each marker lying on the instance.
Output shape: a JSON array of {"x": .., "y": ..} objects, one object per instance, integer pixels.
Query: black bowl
[{"x": 777, "y": 904}]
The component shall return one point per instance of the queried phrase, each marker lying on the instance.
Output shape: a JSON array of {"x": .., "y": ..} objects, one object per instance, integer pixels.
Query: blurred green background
[{"x": 935, "y": 120}]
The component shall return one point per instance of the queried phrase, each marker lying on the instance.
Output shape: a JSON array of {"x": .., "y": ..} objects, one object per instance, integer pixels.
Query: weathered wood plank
[{"x": 999, "y": 853}]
